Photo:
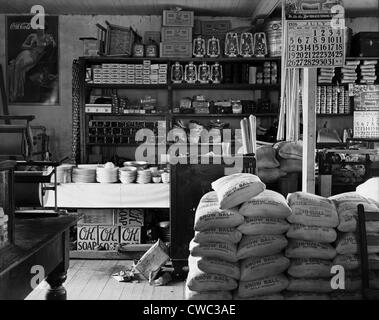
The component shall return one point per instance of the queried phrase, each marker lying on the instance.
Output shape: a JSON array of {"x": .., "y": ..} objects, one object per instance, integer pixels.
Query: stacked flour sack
[
  {"x": 213, "y": 264},
  {"x": 311, "y": 234},
  {"x": 267, "y": 165},
  {"x": 347, "y": 244},
  {"x": 260, "y": 251}
]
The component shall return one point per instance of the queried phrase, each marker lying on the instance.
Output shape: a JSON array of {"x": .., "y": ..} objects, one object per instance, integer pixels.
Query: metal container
[
  {"x": 151, "y": 51},
  {"x": 273, "y": 30}
]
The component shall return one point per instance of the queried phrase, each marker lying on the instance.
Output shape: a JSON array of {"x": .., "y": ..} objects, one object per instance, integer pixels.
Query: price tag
[{"x": 314, "y": 44}]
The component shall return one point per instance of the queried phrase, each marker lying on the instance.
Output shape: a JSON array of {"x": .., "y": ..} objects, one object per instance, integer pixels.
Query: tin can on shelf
[
  {"x": 151, "y": 51},
  {"x": 273, "y": 30},
  {"x": 138, "y": 50}
]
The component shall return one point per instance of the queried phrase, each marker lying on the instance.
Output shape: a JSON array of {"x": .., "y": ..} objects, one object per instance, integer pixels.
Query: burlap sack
[
  {"x": 209, "y": 215},
  {"x": 261, "y": 226},
  {"x": 348, "y": 243},
  {"x": 349, "y": 262},
  {"x": 225, "y": 235},
  {"x": 270, "y": 175},
  {"x": 266, "y": 157},
  {"x": 268, "y": 204},
  {"x": 310, "y": 285},
  {"x": 307, "y": 296},
  {"x": 261, "y": 267},
  {"x": 272, "y": 297},
  {"x": 310, "y": 268},
  {"x": 291, "y": 165},
  {"x": 260, "y": 246},
  {"x": 216, "y": 266},
  {"x": 261, "y": 287},
  {"x": 312, "y": 233},
  {"x": 223, "y": 251},
  {"x": 290, "y": 150},
  {"x": 207, "y": 295},
  {"x": 312, "y": 210},
  {"x": 237, "y": 188},
  {"x": 309, "y": 249},
  {"x": 200, "y": 281}
]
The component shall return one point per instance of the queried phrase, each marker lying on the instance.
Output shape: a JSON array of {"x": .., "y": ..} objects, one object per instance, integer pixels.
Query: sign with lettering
[
  {"x": 130, "y": 235},
  {"x": 366, "y": 124},
  {"x": 108, "y": 237},
  {"x": 129, "y": 217},
  {"x": 366, "y": 97},
  {"x": 87, "y": 237},
  {"x": 311, "y": 9},
  {"x": 314, "y": 44}
]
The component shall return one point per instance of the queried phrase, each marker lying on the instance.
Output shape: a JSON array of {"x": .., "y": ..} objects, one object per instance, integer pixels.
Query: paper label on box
[
  {"x": 130, "y": 235},
  {"x": 129, "y": 217},
  {"x": 108, "y": 237},
  {"x": 87, "y": 237}
]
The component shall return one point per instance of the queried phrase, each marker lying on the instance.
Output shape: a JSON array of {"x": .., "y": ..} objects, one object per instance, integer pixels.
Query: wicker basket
[{"x": 120, "y": 40}]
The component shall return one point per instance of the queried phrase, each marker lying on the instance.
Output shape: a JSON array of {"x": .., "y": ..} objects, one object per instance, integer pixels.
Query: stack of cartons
[{"x": 176, "y": 34}]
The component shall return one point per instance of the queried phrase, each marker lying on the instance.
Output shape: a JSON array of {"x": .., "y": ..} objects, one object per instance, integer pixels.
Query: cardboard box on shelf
[
  {"x": 178, "y": 18},
  {"x": 176, "y": 50},
  {"x": 176, "y": 34},
  {"x": 130, "y": 235}
]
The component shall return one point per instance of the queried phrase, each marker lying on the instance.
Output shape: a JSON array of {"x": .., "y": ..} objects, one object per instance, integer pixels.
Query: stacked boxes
[
  {"x": 176, "y": 34},
  {"x": 103, "y": 229},
  {"x": 333, "y": 100},
  {"x": 116, "y": 73}
]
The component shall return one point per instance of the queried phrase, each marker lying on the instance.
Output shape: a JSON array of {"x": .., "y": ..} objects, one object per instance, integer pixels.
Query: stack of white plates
[
  {"x": 128, "y": 174},
  {"x": 144, "y": 176},
  {"x": 84, "y": 174},
  {"x": 106, "y": 175}
]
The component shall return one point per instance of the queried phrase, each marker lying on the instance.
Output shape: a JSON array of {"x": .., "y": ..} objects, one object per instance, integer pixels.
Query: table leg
[{"x": 56, "y": 290}]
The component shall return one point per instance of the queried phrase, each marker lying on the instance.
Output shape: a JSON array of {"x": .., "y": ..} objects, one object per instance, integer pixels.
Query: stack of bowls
[
  {"x": 84, "y": 174},
  {"x": 106, "y": 175},
  {"x": 144, "y": 176},
  {"x": 128, "y": 174}
]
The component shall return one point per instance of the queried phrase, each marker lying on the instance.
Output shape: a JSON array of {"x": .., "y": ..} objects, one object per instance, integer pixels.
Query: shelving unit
[{"x": 170, "y": 89}]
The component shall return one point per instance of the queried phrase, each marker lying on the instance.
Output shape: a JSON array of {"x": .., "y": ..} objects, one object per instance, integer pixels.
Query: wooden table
[{"x": 41, "y": 251}]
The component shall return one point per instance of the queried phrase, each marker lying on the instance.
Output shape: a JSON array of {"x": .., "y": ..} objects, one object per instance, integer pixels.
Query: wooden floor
[{"x": 92, "y": 280}]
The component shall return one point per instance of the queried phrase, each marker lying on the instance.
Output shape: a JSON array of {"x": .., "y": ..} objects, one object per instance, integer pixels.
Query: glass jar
[{"x": 260, "y": 45}]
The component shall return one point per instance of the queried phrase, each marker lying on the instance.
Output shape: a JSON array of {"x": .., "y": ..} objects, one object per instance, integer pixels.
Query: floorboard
[{"x": 92, "y": 280}]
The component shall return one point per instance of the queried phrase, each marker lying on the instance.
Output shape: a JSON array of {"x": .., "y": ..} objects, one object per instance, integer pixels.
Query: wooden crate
[
  {"x": 120, "y": 40},
  {"x": 172, "y": 18},
  {"x": 176, "y": 50}
]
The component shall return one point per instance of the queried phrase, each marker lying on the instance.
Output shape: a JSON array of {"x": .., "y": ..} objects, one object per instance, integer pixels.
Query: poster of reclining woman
[{"x": 33, "y": 61}]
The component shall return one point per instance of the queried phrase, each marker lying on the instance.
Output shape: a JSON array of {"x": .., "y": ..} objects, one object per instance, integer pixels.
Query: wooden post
[{"x": 309, "y": 129}]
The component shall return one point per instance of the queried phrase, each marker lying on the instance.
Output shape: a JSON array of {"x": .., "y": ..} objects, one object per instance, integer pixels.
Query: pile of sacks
[
  {"x": 290, "y": 155},
  {"x": 311, "y": 234},
  {"x": 260, "y": 251},
  {"x": 268, "y": 165},
  {"x": 347, "y": 244},
  {"x": 275, "y": 162},
  {"x": 237, "y": 250}
]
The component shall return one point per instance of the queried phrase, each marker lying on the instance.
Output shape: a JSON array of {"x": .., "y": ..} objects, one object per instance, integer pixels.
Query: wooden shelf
[
  {"x": 224, "y": 86},
  {"x": 128, "y": 114},
  {"x": 334, "y": 115},
  {"x": 205, "y": 115},
  {"x": 126, "y": 86}
]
